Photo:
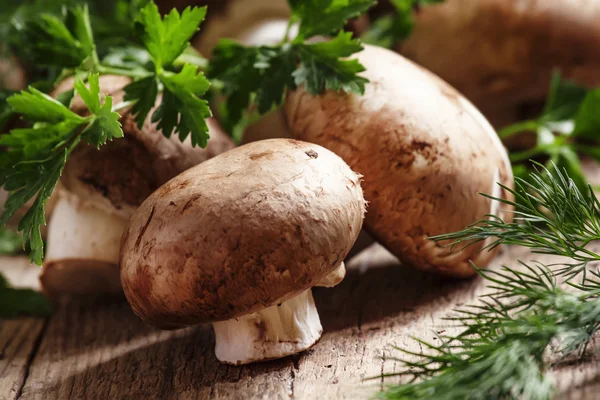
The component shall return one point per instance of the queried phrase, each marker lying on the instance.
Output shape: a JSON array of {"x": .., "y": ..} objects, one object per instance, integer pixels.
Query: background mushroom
[
  {"x": 501, "y": 53},
  {"x": 102, "y": 188},
  {"x": 239, "y": 241},
  {"x": 425, "y": 153}
]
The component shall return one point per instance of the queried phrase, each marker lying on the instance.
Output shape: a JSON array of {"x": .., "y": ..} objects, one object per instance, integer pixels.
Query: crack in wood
[{"x": 31, "y": 357}]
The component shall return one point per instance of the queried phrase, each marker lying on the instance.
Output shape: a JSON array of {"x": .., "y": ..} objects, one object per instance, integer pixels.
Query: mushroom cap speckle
[
  {"x": 243, "y": 231},
  {"x": 425, "y": 153}
]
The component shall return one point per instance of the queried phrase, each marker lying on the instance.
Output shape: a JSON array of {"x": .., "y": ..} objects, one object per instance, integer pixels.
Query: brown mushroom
[
  {"x": 102, "y": 188},
  {"x": 425, "y": 153},
  {"x": 12, "y": 75},
  {"x": 239, "y": 241},
  {"x": 501, "y": 53}
]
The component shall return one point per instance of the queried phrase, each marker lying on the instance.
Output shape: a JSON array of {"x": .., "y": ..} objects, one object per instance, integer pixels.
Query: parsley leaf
[
  {"x": 21, "y": 302},
  {"x": 322, "y": 17},
  {"x": 263, "y": 74},
  {"x": 587, "y": 119},
  {"x": 391, "y": 28},
  {"x": 322, "y": 67},
  {"x": 36, "y": 156},
  {"x": 182, "y": 93},
  {"x": 569, "y": 117},
  {"x": 166, "y": 39},
  {"x": 5, "y": 110},
  {"x": 144, "y": 93},
  {"x": 105, "y": 125},
  {"x": 10, "y": 241},
  {"x": 64, "y": 41},
  {"x": 181, "y": 107}
]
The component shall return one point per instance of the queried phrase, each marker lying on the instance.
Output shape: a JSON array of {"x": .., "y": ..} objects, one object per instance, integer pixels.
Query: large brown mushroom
[
  {"x": 501, "y": 53},
  {"x": 239, "y": 241},
  {"x": 102, "y": 188},
  {"x": 425, "y": 153}
]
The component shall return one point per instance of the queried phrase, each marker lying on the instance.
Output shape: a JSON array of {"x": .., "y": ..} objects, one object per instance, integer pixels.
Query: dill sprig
[
  {"x": 551, "y": 216},
  {"x": 500, "y": 353},
  {"x": 501, "y": 350}
]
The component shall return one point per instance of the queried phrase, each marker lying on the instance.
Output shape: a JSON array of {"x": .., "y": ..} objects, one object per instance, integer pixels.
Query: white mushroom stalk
[
  {"x": 83, "y": 247},
  {"x": 274, "y": 332}
]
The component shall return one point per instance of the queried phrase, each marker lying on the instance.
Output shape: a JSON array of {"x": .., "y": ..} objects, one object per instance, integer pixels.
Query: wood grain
[
  {"x": 97, "y": 348},
  {"x": 19, "y": 339}
]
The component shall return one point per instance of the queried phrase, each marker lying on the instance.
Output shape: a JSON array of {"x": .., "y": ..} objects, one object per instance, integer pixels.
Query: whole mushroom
[
  {"x": 501, "y": 54},
  {"x": 100, "y": 190},
  {"x": 425, "y": 153},
  {"x": 239, "y": 241}
]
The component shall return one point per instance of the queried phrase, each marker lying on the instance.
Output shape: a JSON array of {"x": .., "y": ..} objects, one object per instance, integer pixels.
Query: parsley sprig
[
  {"x": 261, "y": 75},
  {"x": 567, "y": 127},
  {"x": 36, "y": 156},
  {"x": 501, "y": 350}
]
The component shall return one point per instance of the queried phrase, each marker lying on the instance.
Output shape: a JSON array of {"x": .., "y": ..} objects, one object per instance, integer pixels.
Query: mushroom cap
[
  {"x": 241, "y": 19},
  {"x": 243, "y": 231},
  {"x": 425, "y": 153},
  {"x": 12, "y": 75},
  {"x": 122, "y": 173},
  {"x": 502, "y": 52}
]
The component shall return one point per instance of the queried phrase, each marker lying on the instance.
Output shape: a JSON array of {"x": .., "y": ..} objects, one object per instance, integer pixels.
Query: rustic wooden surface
[{"x": 100, "y": 349}]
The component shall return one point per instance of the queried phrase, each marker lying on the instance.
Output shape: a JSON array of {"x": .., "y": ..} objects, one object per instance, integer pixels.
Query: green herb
[
  {"x": 552, "y": 216},
  {"x": 568, "y": 126},
  {"x": 10, "y": 241},
  {"x": 499, "y": 355},
  {"x": 392, "y": 28},
  {"x": 263, "y": 74},
  {"x": 21, "y": 302},
  {"x": 36, "y": 156},
  {"x": 500, "y": 352}
]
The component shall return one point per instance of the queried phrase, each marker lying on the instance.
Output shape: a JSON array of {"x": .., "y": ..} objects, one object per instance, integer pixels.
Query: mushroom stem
[
  {"x": 83, "y": 248},
  {"x": 274, "y": 332}
]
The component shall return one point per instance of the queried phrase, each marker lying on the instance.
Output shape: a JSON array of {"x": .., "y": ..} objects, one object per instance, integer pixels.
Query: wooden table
[{"x": 100, "y": 349}]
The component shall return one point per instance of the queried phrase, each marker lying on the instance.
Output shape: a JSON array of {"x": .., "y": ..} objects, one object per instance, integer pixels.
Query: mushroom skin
[
  {"x": 425, "y": 153},
  {"x": 101, "y": 188},
  {"x": 501, "y": 54},
  {"x": 240, "y": 238}
]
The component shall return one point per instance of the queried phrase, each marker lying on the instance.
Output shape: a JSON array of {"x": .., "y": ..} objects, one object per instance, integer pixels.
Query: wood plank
[
  {"x": 98, "y": 348},
  {"x": 18, "y": 338}
]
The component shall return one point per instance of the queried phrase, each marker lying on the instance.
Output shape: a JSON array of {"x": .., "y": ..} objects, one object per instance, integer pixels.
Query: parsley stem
[
  {"x": 123, "y": 105},
  {"x": 526, "y": 155},
  {"x": 524, "y": 126},
  {"x": 132, "y": 73}
]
